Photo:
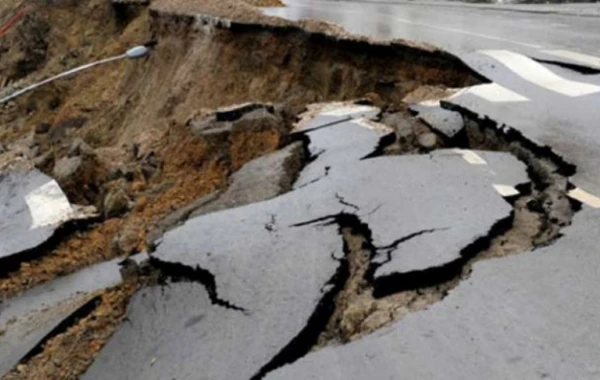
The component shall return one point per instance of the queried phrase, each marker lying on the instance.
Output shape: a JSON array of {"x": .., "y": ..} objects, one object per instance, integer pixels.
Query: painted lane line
[
  {"x": 494, "y": 93},
  {"x": 354, "y": 111},
  {"x": 539, "y": 75},
  {"x": 585, "y": 59},
  {"x": 470, "y": 156},
  {"x": 48, "y": 205},
  {"x": 506, "y": 190},
  {"x": 369, "y": 124},
  {"x": 585, "y": 197}
]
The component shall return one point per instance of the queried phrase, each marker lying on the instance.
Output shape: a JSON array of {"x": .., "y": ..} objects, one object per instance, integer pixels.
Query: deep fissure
[{"x": 176, "y": 272}]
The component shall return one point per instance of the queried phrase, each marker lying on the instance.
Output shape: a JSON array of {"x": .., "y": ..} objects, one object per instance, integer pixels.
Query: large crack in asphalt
[
  {"x": 540, "y": 211},
  {"x": 355, "y": 303},
  {"x": 176, "y": 272}
]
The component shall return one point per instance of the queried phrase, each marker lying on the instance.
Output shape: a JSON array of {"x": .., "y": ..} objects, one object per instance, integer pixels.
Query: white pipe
[{"x": 136, "y": 52}]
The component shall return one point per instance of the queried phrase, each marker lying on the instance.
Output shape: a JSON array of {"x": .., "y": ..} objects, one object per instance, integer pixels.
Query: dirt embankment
[
  {"x": 118, "y": 136},
  {"x": 139, "y": 139}
]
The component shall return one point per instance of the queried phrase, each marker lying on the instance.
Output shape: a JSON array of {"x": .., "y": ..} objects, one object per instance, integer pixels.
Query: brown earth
[
  {"x": 265, "y": 3},
  {"x": 136, "y": 120},
  {"x": 68, "y": 355},
  {"x": 145, "y": 104}
]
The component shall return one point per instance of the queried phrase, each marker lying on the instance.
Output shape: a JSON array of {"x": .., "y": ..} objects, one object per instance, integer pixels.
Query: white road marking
[
  {"x": 493, "y": 92},
  {"x": 506, "y": 190},
  {"x": 585, "y": 197},
  {"x": 369, "y": 124},
  {"x": 431, "y": 103},
  {"x": 585, "y": 59},
  {"x": 471, "y": 157},
  {"x": 535, "y": 73},
  {"x": 48, "y": 205},
  {"x": 355, "y": 111}
]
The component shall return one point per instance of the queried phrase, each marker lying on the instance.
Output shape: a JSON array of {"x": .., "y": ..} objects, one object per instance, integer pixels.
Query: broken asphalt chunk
[{"x": 32, "y": 207}]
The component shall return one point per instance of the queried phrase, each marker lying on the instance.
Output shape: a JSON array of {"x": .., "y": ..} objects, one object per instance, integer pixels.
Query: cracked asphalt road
[
  {"x": 552, "y": 106},
  {"x": 343, "y": 256},
  {"x": 271, "y": 285},
  {"x": 526, "y": 316}
]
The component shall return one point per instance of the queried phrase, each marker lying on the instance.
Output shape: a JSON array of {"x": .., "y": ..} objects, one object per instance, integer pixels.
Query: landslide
[{"x": 127, "y": 128}]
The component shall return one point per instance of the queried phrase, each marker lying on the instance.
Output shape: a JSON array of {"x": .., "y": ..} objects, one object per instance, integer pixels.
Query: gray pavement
[
  {"x": 528, "y": 316},
  {"x": 457, "y": 29},
  {"x": 32, "y": 207},
  {"x": 550, "y": 105},
  {"x": 272, "y": 266},
  {"x": 27, "y": 318}
]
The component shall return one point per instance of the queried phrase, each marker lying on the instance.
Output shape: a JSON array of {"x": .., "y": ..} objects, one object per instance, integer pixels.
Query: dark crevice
[
  {"x": 345, "y": 203},
  {"x": 82, "y": 312},
  {"x": 309, "y": 335},
  {"x": 176, "y": 272},
  {"x": 326, "y": 220},
  {"x": 327, "y": 169},
  {"x": 384, "y": 142},
  {"x": 326, "y": 125},
  {"x": 391, "y": 247},
  {"x": 397, "y": 282},
  {"x": 302, "y": 343},
  {"x": 565, "y": 168},
  {"x": 581, "y": 69}
]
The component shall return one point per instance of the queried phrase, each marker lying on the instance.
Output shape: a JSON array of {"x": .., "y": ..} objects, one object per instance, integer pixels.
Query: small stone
[
  {"x": 374, "y": 99},
  {"x": 402, "y": 124},
  {"x": 375, "y": 321},
  {"x": 42, "y": 128},
  {"x": 67, "y": 168},
  {"x": 405, "y": 135},
  {"x": 127, "y": 240},
  {"x": 80, "y": 148},
  {"x": 428, "y": 141},
  {"x": 115, "y": 203},
  {"x": 141, "y": 203},
  {"x": 121, "y": 171},
  {"x": 44, "y": 160}
]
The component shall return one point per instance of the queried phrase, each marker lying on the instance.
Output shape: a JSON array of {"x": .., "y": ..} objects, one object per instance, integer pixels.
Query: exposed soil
[
  {"x": 137, "y": 126},
  {"x": 69, "y": 354},
  {"x": 146, "y": 139},
  {"x": 543, "y": 208},
  {"x": 265, "y": 3}
]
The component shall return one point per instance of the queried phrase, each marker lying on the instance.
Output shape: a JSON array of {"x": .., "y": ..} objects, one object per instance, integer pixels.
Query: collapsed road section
[{"x": 275, "y": 238}]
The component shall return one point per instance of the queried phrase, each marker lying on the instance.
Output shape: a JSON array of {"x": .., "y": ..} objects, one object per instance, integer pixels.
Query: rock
[
  {"x": 127, "y": 240},
  {"x": 66, "y": 168},
  {"x": 44, "y": 160},
  {"x": 403, "y": 125},
  {"x": 2, "y": 149},
  {"x": 237, "y": 111},
  {"x": 115, "y": 203},
  {"x": 80, "y": 148},
  {"x": 428, "y": 141},
  {"x": 374, "y": 99},
  {"x": 375, "y": 320},
  {"x": 122, "y": 171},
  {"x": 42, "y": 128}
]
